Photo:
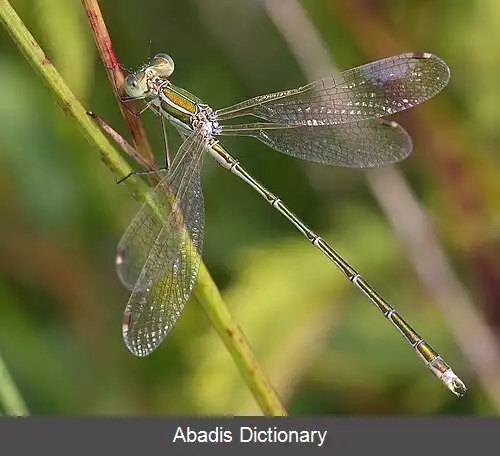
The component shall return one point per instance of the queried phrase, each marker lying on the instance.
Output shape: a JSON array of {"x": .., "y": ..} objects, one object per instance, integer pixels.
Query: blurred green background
[{"x": 324, "y": 346}]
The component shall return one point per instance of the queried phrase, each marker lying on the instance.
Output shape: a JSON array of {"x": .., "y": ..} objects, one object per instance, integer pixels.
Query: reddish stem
[{"x": 115, "y": 75}]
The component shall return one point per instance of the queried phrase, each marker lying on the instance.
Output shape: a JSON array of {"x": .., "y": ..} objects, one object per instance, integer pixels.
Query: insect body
[{"x": 336, "y": 121}]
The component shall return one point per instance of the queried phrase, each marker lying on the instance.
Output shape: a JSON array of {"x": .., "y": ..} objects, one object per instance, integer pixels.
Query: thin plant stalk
[
  {"x": 10, "y": 398},
  {"x": 115, "y": 76},
  {"x": 205, "y": 292}
]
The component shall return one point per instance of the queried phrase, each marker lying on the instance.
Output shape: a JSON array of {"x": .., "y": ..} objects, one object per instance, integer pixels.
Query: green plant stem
[
  {"x": 10, "y": 397},
  {"x": 208, "y": 296},
  {"x": 205, "y": 291}
]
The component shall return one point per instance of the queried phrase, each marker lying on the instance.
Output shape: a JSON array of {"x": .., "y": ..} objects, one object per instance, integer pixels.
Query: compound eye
[
  {"x": 132, "y": 86},
  {"x": 163, "y": 65}
]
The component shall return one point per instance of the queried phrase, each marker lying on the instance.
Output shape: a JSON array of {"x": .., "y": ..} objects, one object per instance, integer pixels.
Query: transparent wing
[
  {"x": 363, "y": 144},
  {"x": 369, "y": 91},
  {"x": 135, "y": 244},
  {"x": 163, "y": 258}
]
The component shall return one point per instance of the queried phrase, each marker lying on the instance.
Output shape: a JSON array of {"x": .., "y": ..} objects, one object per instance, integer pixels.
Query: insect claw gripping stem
[{"x": 142, "y": 173}]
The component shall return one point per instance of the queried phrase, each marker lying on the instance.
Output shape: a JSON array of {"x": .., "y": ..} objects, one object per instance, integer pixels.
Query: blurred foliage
[{"x": 324, "y": 345}]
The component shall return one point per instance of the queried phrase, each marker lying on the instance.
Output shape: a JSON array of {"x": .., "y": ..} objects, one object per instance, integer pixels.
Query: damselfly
[{"x": 334, "y": 121}]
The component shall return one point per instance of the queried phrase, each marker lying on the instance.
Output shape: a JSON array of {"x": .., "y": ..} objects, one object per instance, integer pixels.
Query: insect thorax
[{"x": 204, "y": 119}]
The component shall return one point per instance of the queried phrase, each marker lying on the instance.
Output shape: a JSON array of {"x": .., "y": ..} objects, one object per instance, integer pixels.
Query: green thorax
[{"x": 179, "y": 103}]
